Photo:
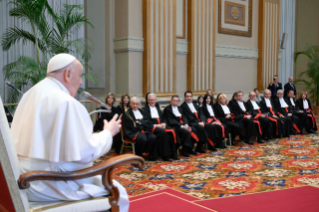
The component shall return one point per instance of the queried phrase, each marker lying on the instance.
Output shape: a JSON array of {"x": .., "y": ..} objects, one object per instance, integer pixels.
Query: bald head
[
  {"x": 290, "y": 79},
  {"x": 252, "y": 95},
  {"x": 70, "y": 76}
]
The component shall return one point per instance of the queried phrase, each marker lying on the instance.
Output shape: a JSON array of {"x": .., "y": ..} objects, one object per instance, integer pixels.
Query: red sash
[
  {"x": 276, "y": 121},
  {"x": 294, "y": 125},
  {"x": 192, "y": 133},
  {"x": 197, "y": 116},
  {"x": 213, "y": 121},
  {"x": 257, "y": 122},
  {"x": 258, "y": 115},
  {"x": 166, "y": 130},
  {"x": 312, "y": 117}
]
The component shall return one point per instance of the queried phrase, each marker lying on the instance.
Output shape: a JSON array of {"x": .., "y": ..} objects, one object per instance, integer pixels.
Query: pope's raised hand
[{"x": 113, "y": 126}]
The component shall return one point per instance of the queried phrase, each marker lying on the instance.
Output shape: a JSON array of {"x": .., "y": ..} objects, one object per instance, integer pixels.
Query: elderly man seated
[
  {"x": 52, "y": 131},
  {"x": 163, "y": 132},
  {"x": 139, "y": 130}
]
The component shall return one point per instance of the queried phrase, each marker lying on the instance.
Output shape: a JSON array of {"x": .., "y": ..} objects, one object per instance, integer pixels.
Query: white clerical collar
[
  {"x": 137, "y": 114},
  {"x": 283, "y": 103},
  {"x": 225, "y": 109},
  {"x": 154, "y": 112},
  {"x": 255, "y": 106},
  {"x": 292, "y": 101},
  {"x": 268, "y": 103},
  {"x": 191, "y": 107},
  {"x": 305, "y": 104},
  {"x": 241, "y": 105},
  {"x": 210, "y": 110},
  {"x": 60, "y": 85},
  {"x": 176, "y": 111}
]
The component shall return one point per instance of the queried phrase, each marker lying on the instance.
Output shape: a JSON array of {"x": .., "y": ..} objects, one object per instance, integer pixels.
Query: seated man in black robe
[
  {"x": 155, "y": 116},
  {"x": 137, "y": 129},
  {"x": 281, "y": 126},
  {"x": 219, "y": 130},
  {"x": 224, "y": 115},
  {"x": 191, "y": 111},
  {"x": 245, "y": 120},
  {"x": 283, "y": 108},
  {"x": 254, "y": 109},
  {"x": 177, "y": 120},
  {"x": 295, "y": 110}
]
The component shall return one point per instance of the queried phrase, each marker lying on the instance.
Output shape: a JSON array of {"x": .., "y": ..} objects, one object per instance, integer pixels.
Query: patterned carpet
[{"x": 244, "y": 169}]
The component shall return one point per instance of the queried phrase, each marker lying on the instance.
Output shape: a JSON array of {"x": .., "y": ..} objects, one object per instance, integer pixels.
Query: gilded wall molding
[
  {"x": 129, "y": 44},
  {"x": 236, "y": 52}
]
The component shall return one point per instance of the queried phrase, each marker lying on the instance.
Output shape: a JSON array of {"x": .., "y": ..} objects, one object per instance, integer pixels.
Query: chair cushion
[{"x": 86, "y": 205}]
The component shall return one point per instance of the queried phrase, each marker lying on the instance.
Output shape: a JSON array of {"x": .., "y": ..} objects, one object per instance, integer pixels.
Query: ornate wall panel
[
  {"x": 268, "y": 42},
  {"x": 159, "y": 62},
  {"x": 201, "y": 45}
]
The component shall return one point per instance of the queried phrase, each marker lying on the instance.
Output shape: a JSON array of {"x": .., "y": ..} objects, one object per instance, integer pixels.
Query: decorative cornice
[
  {"x": 128, "y": 45},
  {"x": 236, "y": 52}
]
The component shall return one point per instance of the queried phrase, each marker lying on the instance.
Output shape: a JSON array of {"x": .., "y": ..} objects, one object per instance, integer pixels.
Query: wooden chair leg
[
  {"x": 133, "y": 147},
  {"x": 121, "y": 151},
  {"x": 230, "y": 141}
]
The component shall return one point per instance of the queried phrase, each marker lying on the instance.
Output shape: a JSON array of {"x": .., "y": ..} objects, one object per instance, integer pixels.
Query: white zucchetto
[{"x": 59, "y": 61}]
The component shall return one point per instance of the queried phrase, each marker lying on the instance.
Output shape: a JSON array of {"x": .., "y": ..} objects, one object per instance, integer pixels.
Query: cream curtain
[{"x": 287, "y": 25}]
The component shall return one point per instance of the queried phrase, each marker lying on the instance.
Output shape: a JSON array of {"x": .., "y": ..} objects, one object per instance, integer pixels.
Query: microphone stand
[{"x": 98, "y": 111}]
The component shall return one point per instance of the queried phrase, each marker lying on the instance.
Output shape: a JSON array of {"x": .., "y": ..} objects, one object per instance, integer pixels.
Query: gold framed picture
[{"x": 234, "y": 18}]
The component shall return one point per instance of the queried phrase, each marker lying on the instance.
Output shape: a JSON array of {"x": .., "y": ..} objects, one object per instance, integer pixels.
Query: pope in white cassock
[{"x": 52, "y": 131}]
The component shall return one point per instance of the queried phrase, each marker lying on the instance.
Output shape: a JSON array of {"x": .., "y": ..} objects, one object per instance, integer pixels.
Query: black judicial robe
[
  {"x": 215, "y": 131},
  {"x": 176, "y": 123},
  {"x": 139, "y": 131},
  {"x": 193, "y": 121},
  {"x": 296, "y": 124},
  {"x": 231, "y": 125},
  {"x": 8, "y": 114},
  {"x": 162, "y": 134},
  {"x": 99, "y": 125},
  {"x": 295, "y": 111},
  {"x": 288, "y": 87},
  {"x": 310, "y": 115},
  {"x": 265, "y": 124},
  {"x": 247, "y": 126},
  {"x": 281, "y": 127}
]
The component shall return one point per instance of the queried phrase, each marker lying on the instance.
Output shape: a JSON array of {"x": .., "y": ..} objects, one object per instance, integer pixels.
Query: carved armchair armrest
[{"x": 104, "y": 168}]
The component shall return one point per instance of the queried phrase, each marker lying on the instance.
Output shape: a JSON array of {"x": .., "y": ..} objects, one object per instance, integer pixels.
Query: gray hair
[
  {"x": 267, "y": 90},
  {"x": 151, "y": 94},
  {"x": 280, "y": 91},
  {"x": 135, "y": 98}
]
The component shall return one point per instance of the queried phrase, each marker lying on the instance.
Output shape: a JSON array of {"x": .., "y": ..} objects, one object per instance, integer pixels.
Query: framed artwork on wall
[{"x": 235, "y": 17}]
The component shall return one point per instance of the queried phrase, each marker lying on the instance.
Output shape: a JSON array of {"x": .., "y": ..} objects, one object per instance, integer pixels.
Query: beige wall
[
  {"x": 307, "y": 32},
  {"x": 234, "y": 74}
]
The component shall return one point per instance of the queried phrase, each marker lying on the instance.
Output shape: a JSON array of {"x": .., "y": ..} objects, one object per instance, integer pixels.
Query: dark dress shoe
[
  {"x": 192, "y": 152},
  {"x": 259, "y": 140},
  {"x": 174, "y": 156},
  {"x": 293, "y": 133},
  {"x": 165, "y": 158},
  {"x": 200, "y": 150},
  {"x": 233, "y": 143},
  {"x": 212, "y": 148},
  {"x": 312, "y": 131},
  {"x": 249, "y": 142},
  {"x": 185, "y": 152},
  {"x": 265, "y": 138}
]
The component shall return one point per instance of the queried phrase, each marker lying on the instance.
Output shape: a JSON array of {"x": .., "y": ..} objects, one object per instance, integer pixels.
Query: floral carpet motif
[{"x": 241, "y": 169}]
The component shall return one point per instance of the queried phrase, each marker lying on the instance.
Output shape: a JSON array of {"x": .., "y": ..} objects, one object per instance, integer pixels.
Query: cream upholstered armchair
[{"x": 17, "y": 183}]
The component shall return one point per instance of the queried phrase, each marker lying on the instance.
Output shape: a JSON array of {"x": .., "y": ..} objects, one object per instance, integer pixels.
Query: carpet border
[
  {"x": 178, "y": 198},
  {"x": 168, "y": 189},
  {"x": 253, "y": 193}
]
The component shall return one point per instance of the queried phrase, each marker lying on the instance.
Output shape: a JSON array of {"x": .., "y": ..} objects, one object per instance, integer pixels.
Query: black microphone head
[{"x": 86, "y": 94}]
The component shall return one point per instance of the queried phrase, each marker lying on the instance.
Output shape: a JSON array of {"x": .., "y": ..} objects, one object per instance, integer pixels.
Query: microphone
[
  {"x": 13, "y": 87},
  {"x": 88, "y": 96}
]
